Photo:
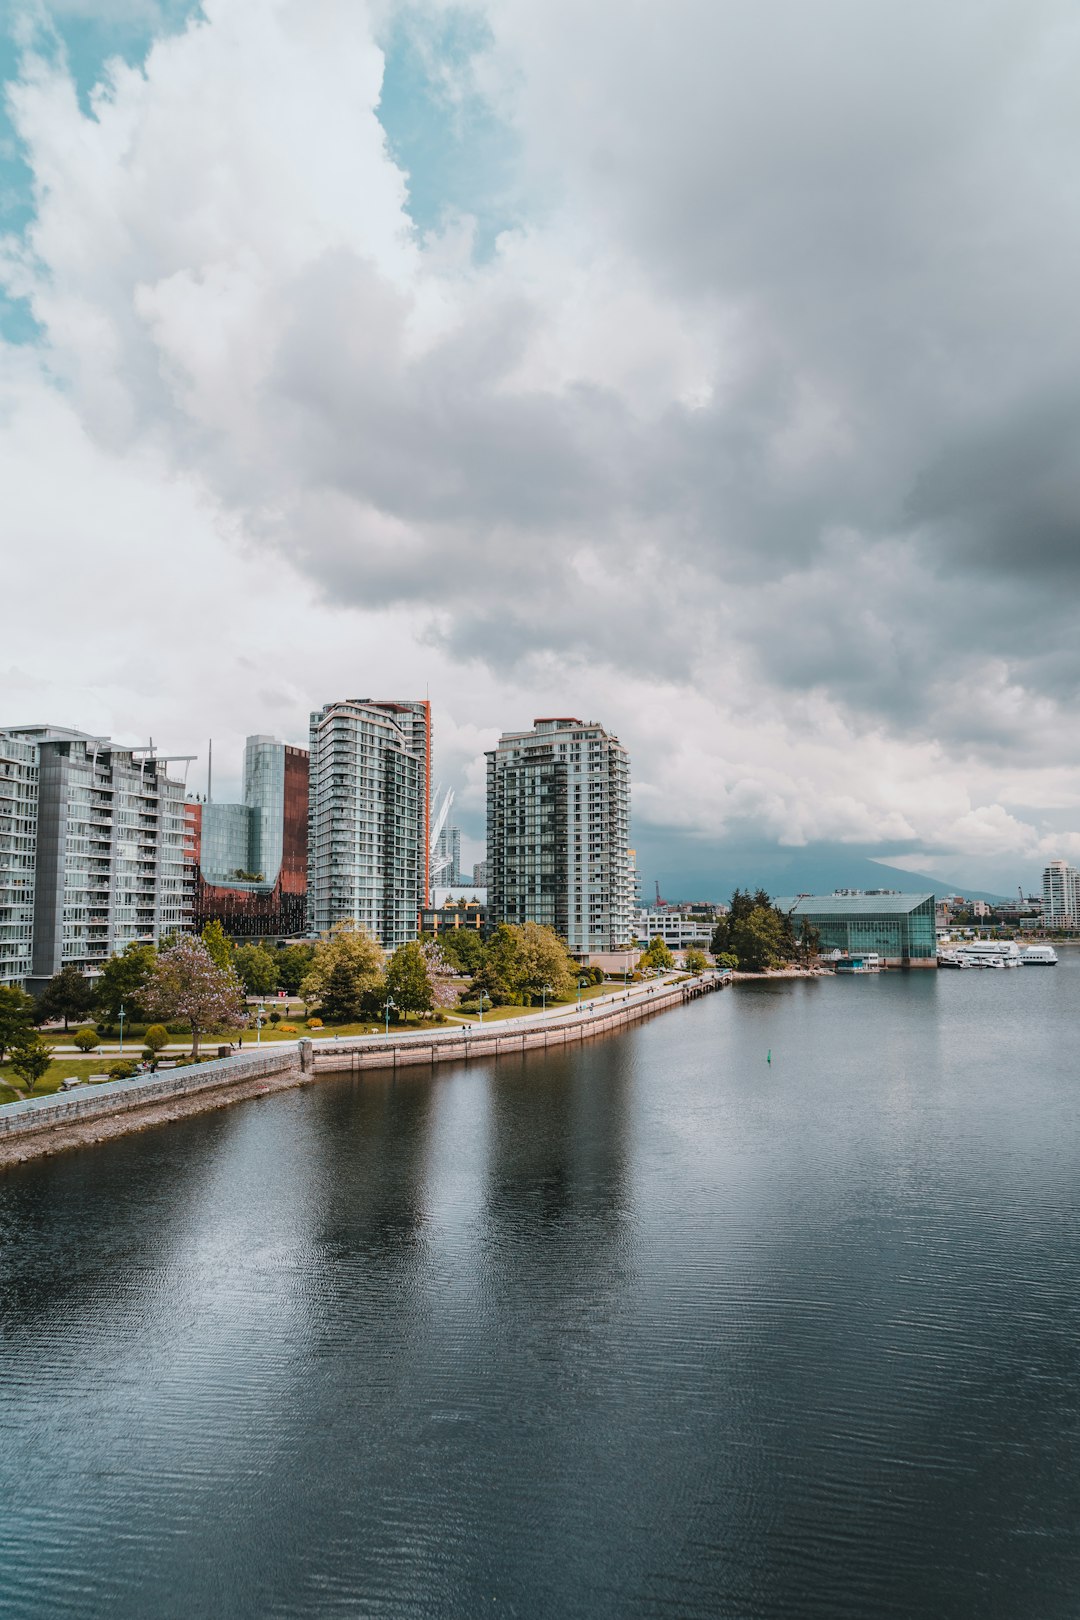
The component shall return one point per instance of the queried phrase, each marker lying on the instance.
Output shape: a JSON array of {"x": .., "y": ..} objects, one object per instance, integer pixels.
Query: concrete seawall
[
  {"x": 500, "y": 1039},
  {"x": 42, "y": 1125}
]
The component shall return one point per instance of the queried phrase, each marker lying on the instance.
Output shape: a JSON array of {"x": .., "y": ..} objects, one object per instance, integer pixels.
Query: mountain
[{"x": 688, "y": 868}]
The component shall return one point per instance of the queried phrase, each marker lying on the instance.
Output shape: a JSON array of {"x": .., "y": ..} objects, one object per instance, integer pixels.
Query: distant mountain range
[{"x": 690, "y": 869}]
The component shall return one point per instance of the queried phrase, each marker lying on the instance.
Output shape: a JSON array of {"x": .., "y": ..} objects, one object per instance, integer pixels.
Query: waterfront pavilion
[{"x": 899, "y": 927}]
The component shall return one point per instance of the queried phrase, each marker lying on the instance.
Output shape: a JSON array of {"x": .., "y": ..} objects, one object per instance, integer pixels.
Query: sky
[{"x": 709, "y": 370}]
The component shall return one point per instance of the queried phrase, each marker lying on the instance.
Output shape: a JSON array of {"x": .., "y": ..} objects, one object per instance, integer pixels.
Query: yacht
[
  {"x": 1039, "y": 956},
  {"x": 1004, "y": 953},
  {"x": 952, "y": 959}
]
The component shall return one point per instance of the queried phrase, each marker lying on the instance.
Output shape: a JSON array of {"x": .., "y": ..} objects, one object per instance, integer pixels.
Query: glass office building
[
  {"x": 252, "y": 857},
  {"x": 899, "y": 927}
]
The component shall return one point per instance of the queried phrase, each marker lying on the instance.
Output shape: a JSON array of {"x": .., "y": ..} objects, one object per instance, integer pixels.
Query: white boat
[
  {"x": 952, "y": 959},
  {"x": 999, "y": 953},
  {"x": 859, "y": 962},
  {"x": 1039, "y": 956}
]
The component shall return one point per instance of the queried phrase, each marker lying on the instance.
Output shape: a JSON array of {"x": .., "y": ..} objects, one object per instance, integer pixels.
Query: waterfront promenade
[{"x": 42, "y": 1125}]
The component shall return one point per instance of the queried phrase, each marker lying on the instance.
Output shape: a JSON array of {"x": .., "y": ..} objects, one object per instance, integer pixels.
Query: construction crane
[{"x": 659, "y": 902}]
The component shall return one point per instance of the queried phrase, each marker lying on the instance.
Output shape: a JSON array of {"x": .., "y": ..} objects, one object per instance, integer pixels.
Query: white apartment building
[
  {"x": 109, "y": 856},
  {"x": 18, "y": 844},
  {"x": 558, "y": 811},
  {"x": 369, "y": 817},
  {"x": 1061, "y": 895},
  {"x": 677, "y": 930}
]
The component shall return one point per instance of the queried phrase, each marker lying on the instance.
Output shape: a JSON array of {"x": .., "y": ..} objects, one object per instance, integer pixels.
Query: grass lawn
[{"x": 10, "y": 1090}]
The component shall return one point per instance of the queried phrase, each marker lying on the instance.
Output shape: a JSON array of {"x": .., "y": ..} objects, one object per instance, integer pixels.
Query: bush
[
  {"x": 178, "y": 1029},
  {"x": 289, "y": 1029},
  {"x": 156, "y": 1037},
  {"x": 275, "y": 1017},
  {"x": 314, "y": 1023},
  {"x": 122, "y": 1071},
  {"x": 149, "y": 1056},
  {"x": 86, "y": 1040}
]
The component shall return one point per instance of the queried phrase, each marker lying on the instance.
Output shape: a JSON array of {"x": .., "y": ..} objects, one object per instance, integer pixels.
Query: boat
[
  {"x": 1002, "y": 953},
  {"x": 952, "y": 959},
  {"x": 1039, "y": 956},
  {"x": 866, "y": 962}
]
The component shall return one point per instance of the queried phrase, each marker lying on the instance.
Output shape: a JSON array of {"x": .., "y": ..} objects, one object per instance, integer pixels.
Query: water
[{"x": 653, "y": 1329}]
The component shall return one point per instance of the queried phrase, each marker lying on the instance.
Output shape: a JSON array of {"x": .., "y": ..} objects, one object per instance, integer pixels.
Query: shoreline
[{"x": 65, "y": 1121}]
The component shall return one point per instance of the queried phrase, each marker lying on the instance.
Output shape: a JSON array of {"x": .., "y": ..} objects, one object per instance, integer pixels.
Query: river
[{"x": 655, "y": 1327}]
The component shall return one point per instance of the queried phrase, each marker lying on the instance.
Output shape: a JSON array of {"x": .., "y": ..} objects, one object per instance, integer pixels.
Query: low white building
[{"x": 675, "y": 928}]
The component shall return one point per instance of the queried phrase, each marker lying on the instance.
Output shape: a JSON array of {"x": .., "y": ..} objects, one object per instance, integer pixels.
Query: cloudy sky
[{"x": 709, "y": 368}]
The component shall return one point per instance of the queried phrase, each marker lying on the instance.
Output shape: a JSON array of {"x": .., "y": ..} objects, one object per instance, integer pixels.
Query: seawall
[{"x": 41, "y": 1125}]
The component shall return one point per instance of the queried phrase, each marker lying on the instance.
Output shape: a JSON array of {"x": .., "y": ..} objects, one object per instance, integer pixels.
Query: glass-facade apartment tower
[
  {"x": 369, "y": 816},
  {"x": 558, "y": 831}
]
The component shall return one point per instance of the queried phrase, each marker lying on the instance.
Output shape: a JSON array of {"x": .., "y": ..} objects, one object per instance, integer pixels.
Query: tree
[
  {"x": 122, "y": 982},
  {"x": 188, "y": 984},
  {"x": 16, "y": 1015},
  {"x": 658, "y": 956},
  {"x": 213, "y": 937},
  {"x": 257, "y": 968},
  {"x": 462, "y": 947},
  {"x": 30, "y": 1059},
  {"x": 345, "y": 968},
  {"x": 696, "y": 961},
  {"x": 407, "y": 979},
  {"x": 68, "y": 994},
  {"x": 293, "y": 966},
  {"x": 156, "y": 1037},
  {"x": 543, "y": 963},
  {"x": 86, "y": 1040},
  {"x": 441, "y": 975},
  {"x": 758, "y": 939}
]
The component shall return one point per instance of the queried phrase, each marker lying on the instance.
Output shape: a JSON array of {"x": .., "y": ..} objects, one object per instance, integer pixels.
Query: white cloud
[{"x": 683, "y": 454}]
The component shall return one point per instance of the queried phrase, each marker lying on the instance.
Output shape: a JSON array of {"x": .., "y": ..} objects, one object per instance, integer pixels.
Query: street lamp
[
  {"x": 389, "y": 1002},
  {"x": 580, "y": 987},
  {"x": 121, "y": 1026},
  {"x": 484, "y": 997},
  {"x": 545, "y": 991}
]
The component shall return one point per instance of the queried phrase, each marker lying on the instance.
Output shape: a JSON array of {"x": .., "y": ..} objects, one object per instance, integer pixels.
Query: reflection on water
[{"x": 653, "y": 1327}]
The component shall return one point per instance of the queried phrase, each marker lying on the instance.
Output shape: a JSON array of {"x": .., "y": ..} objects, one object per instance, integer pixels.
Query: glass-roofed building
[{"x": 899, "y": 927}]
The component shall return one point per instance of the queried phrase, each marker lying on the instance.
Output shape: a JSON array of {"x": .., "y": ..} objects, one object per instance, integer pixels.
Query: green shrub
[
  {"x": 156, "y": 1037},
  {"x": 86, "y": 1040},
  {"x": 122, "y": 1071},
  {"x": 275, "y": 1017}
]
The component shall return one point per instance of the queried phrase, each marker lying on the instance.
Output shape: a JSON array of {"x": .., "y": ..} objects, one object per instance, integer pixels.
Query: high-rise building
[
  {"x": 253, "y": 856},
  {"x": 110, "y": 850},
  {"x": 18, "y": 842},
  {"x": 1061, "y": 895},
  {"x": 446, "y": 864},
  {"x": 369, "y": 817},
  {"x": 479, "y": 874},
  {"x": 558, "y": 806}
]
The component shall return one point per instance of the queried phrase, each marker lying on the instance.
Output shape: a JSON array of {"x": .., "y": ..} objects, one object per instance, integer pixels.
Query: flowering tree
[
  {"x": 445, "y": 986},
  {"x": 187, "y": 983}
]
